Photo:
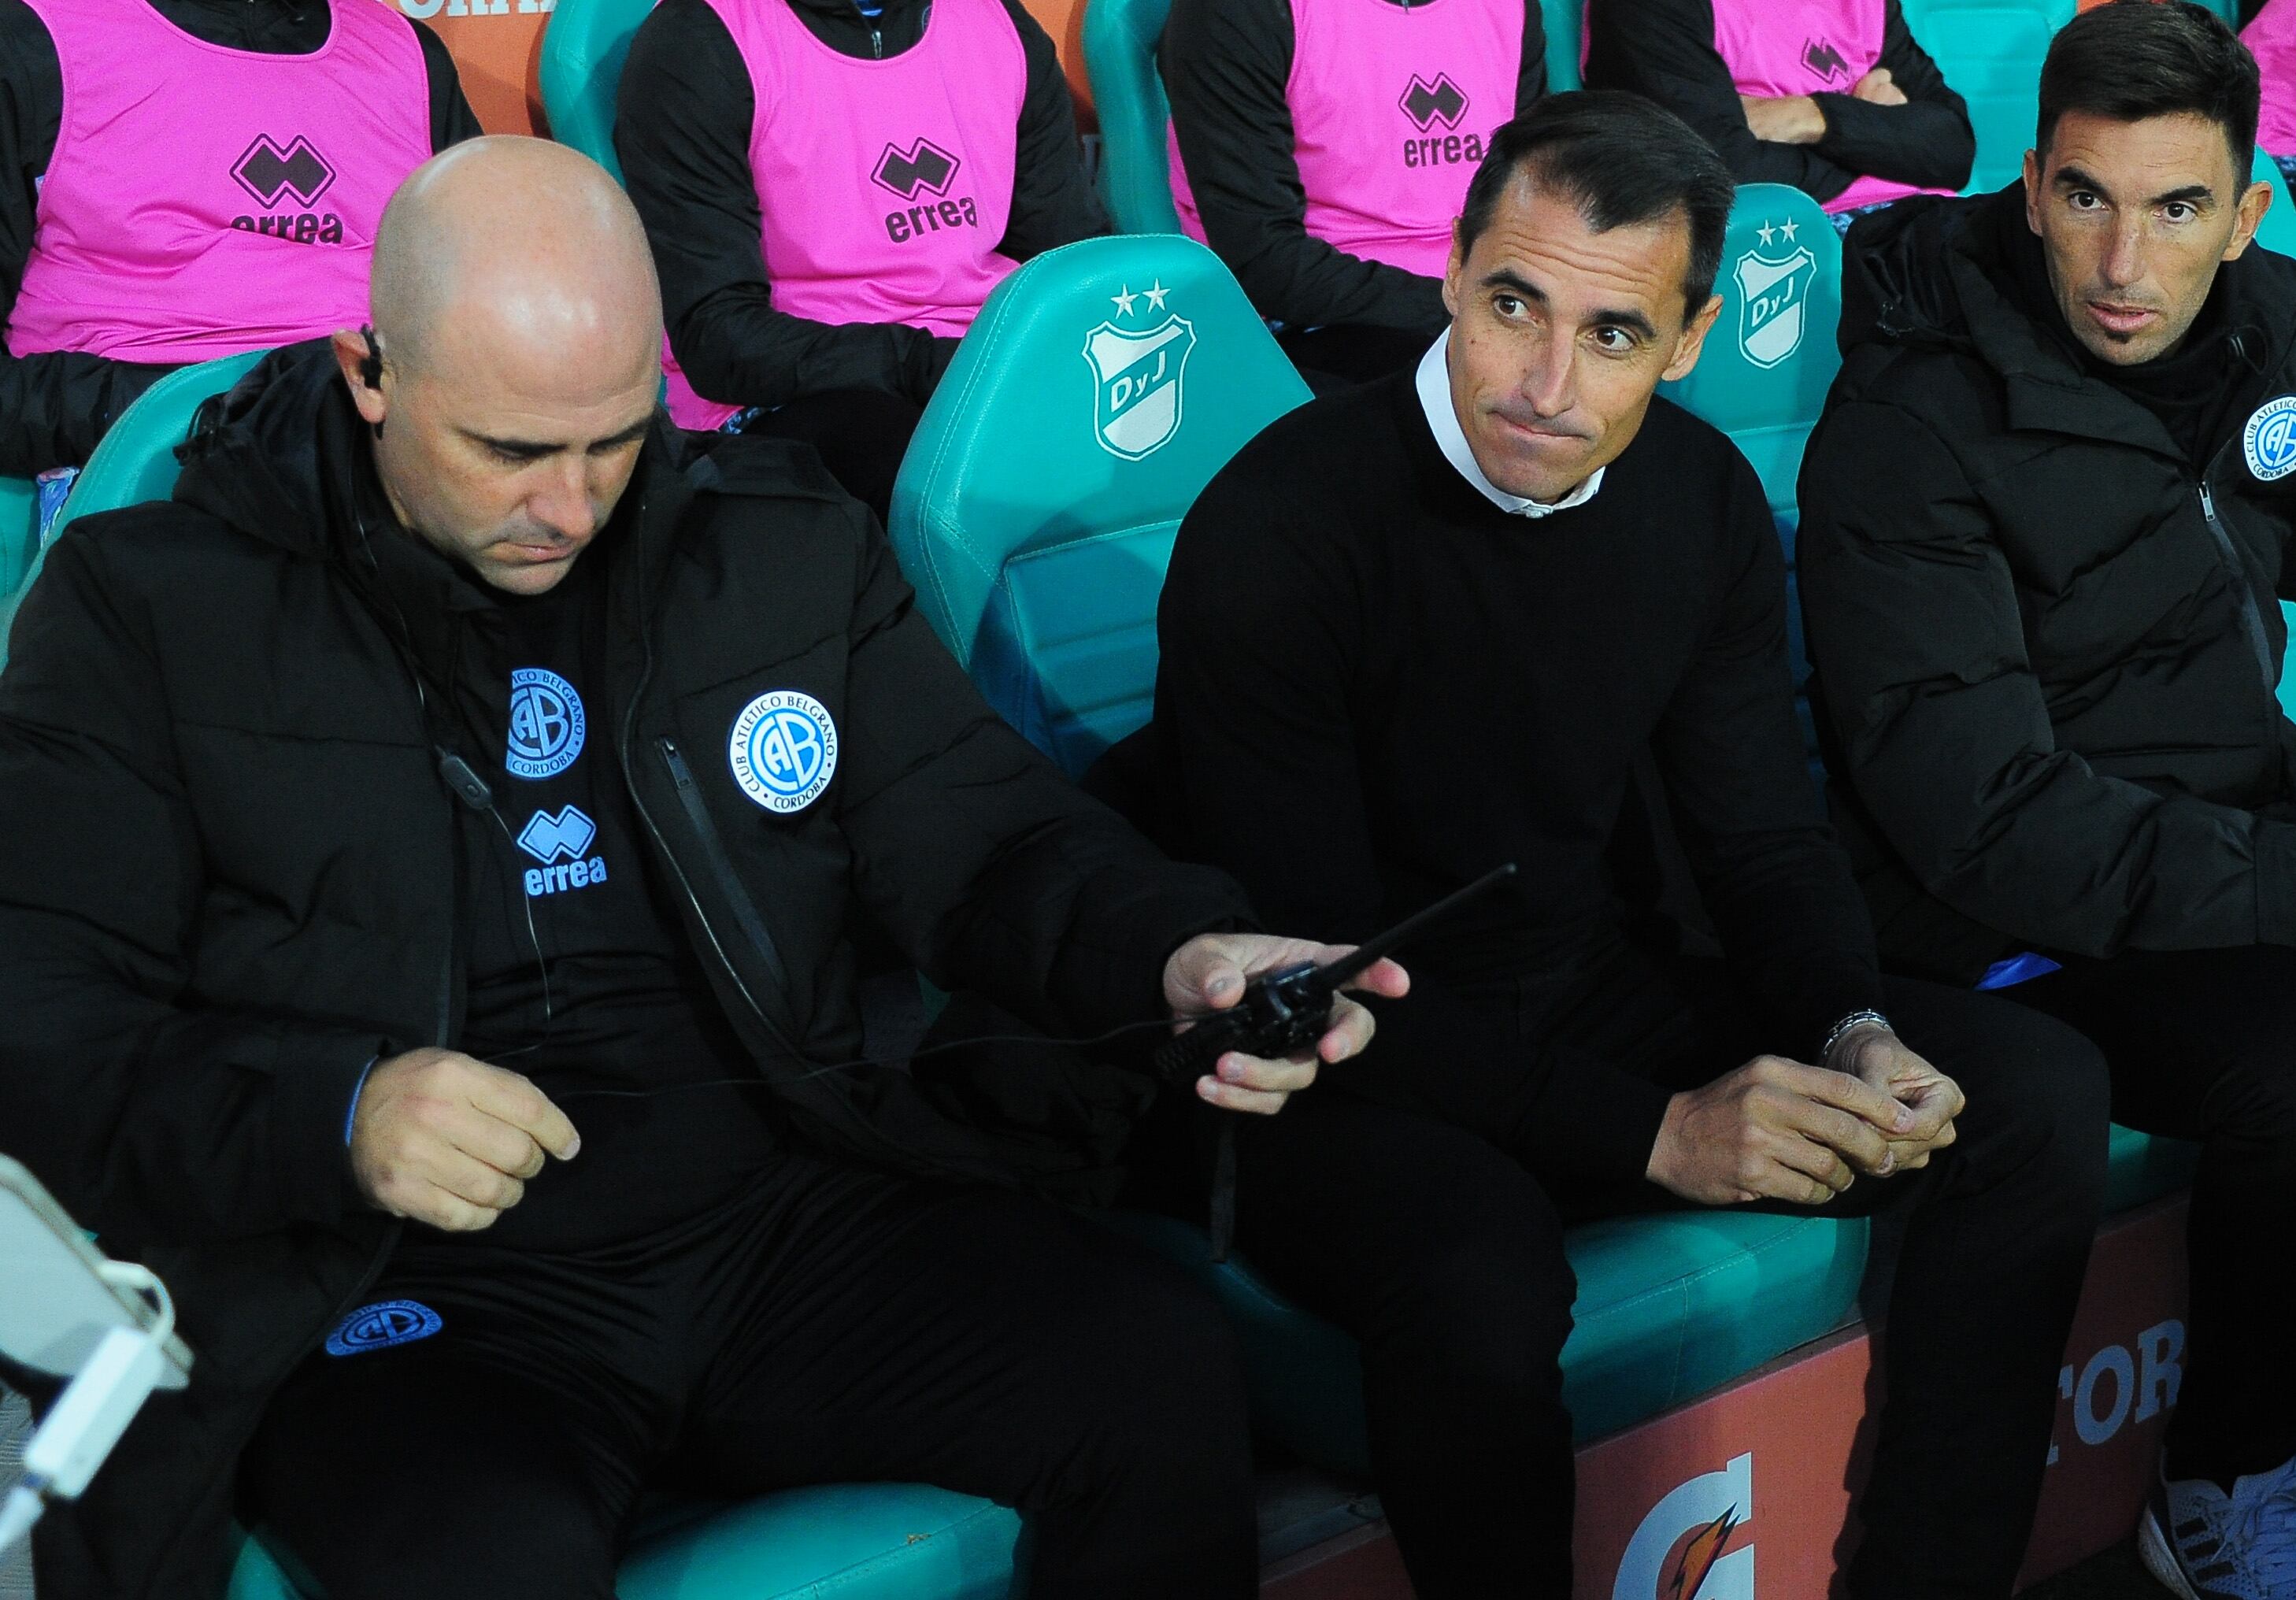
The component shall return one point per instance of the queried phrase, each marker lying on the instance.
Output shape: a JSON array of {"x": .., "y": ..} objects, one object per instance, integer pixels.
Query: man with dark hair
[
  {"x": 1496, "y": 610},
  {"x": 2043, "y": 521},
  {"x": 832, "y": 189},
  {"x": 1835, "y": 97},
  {"x": 1322, "y": 147}
]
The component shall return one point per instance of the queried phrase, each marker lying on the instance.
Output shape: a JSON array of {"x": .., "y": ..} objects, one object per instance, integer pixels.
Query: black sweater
[
  {"x": 54, "y": 407},
  {"x": 1665, "y": 49},
  {"x": 1226, "y": 63},
  {"x": 682, "y": 131},
  {"x": 1376, "y": 685}
]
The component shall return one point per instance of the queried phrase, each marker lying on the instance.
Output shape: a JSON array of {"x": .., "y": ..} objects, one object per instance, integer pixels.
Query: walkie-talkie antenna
[{"x": 1347, "y": 966}]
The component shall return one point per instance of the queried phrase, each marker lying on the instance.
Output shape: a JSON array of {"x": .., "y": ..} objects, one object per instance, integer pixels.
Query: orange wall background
[{"x": 497, "y": 43}]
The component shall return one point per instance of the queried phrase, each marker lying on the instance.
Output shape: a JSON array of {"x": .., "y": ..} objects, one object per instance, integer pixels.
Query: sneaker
[{"x": 2203, "y": 1544}]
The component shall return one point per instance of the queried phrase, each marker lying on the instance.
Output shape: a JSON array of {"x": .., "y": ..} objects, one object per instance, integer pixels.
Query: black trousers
[
  {"x": 1346, "y": 354},
  {"x": 1415, "y": 1226},
  {"x": 862, "y": 435},
  {"x": 2202, "y": 1046},
  {"x": 839, "y": 1326}
]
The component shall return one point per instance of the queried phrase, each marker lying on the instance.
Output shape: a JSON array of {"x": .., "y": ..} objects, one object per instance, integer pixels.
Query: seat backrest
[
  {"x": 2277, "y": 231},
  {"x": 136, "y": 460},
  {"x": 1563, "y": 22},
  {"x": 1990, "y": 52},
  {"x": 1119, "y": 56},
  {"x": 1772, "y": 355},
  {"x": 1102, "y": 386},
  {"x": 20, "y": 530},
  {"x": 583, "y": 50}
]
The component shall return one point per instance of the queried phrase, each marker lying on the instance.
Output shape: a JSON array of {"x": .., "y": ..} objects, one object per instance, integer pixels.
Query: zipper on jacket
[
  {"x": 2251, "y": 621},
  {"x": 713, "y": 850}
]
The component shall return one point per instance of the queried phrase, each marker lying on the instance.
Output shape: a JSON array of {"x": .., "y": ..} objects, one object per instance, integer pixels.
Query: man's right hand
[
  {"x": 1775, "y": 1129},
  {"x": 441, "y": 1138}
]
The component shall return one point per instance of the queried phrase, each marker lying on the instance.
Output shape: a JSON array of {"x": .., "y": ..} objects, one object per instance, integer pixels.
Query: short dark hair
[
  {"x": 2128, "y": 60},
  {"x": 1621, "y": 160}
]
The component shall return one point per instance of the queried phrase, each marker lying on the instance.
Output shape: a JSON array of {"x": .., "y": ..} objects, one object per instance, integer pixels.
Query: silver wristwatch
[{"x": 1840, "y": 1029}]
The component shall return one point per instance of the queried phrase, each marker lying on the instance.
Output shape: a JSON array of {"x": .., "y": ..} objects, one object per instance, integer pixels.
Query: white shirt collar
[{"x": 1435, "y": 400}]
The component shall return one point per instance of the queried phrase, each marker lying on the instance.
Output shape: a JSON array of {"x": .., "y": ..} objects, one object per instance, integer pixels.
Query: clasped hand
[{"x": 1777, "y": 1129}]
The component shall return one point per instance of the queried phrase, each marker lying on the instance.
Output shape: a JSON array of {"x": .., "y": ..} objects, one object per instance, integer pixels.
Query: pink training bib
[
  {"x": 1391, "y": 107},
  {"x": 205, "y": 202},
  {"x": 1777, "y": 48},
  {"x": 885, "y": 185},
  {"x": 2271, "y": 38}
]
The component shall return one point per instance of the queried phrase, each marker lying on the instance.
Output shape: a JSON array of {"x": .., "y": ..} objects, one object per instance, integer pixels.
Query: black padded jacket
[
  {"x": 2046, "y": 637},
  {"x": 230, "y": 879}
]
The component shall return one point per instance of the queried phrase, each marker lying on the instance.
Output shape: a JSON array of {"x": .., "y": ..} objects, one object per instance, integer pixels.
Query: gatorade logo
[
  {"x": 271, "y": 174},
  {"x": 1689, "y": 1547}
]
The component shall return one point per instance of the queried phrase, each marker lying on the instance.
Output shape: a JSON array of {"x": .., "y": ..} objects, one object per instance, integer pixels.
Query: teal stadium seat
[
  {"x": 136, "y": 460},
  {"x": 874, "y": 1542},
  {"x": 583, "y": 49},
  {"x": 1772, "y": 357},
  {"x": 1128, "y": 92},
  {"x": 893, "y": 1541},
  {"x": 1120, "y": 39},
  {"x": 20, "y": 531},
  {"x": 1990, "y": 51},
  {"x": 1564, "y": 24},
  {"x": 1102, "y": 386},
  {"x": 2277, "y": 231}
]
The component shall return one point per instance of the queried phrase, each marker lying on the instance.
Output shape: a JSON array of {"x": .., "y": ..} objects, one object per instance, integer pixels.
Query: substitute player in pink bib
[
  {"x": 1831, "y": 96},
  {"x": 2270, "y": 36},
  {"x": 184, "y": 179},
  {"x": 832, "y": 190},
  {"x": 1322, "y": 148}
]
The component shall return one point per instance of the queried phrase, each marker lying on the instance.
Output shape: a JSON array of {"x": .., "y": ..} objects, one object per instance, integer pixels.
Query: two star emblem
[
  {"x": 1786, "y": 230},
  {"x": 1154, "y": 293}
]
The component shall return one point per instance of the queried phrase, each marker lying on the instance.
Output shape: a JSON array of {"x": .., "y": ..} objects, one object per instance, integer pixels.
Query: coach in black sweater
[{"x": 1447, "y": 621}]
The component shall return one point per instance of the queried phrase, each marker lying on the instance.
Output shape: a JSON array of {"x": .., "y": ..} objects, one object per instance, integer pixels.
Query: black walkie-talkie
[{"x": 1283, "y": 1013}]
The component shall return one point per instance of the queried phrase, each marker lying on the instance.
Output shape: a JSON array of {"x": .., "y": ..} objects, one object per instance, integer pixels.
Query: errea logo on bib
[
  {"x": 783, "y": 749},
  {"x": 2269, "y": 439}
]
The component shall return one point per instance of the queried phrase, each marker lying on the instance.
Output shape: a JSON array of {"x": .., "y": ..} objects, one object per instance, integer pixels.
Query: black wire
[{"x": 758, "y": 1081}]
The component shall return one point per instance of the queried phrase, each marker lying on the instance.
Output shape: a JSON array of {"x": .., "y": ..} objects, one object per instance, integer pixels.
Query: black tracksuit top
[
  {"x": 1224, "y": 65},
  {"x": 577, "y": 972},
  {"x": 1376, "y": 685},
  {"x": 2045, "y": 629},
  {"x": 1664, "y": 49},
  {"x": 233, "y": 869},
  {"x": 682, "y": 132},
  {"x": 54, "y": 407}
]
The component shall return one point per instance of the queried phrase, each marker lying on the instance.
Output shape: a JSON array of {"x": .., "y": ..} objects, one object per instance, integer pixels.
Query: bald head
[
  {"x": 520, "y": 328},
  {"x": 515, "y": 249}
]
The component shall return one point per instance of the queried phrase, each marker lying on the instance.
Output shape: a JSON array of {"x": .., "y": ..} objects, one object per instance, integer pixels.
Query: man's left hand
[
  {"x": 1209, "y": 974},
  {"x": 1877, "y": 1057}
]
